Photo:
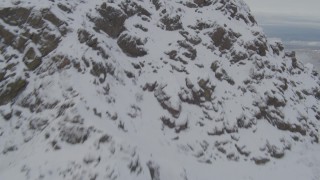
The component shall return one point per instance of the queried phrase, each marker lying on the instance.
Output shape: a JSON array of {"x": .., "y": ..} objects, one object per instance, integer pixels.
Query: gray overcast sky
[
  {"x": 294, "y": 21},
  {"x": 300, "y": 8},
  {"x": 298, "y": 12}
]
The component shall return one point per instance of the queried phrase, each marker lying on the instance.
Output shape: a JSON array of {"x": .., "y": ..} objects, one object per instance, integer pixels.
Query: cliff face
[{"x": 150, "y": 90}]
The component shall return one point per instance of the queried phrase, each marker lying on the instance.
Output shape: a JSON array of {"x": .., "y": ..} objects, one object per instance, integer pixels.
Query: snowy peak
[{"x": 148, "y": 90}]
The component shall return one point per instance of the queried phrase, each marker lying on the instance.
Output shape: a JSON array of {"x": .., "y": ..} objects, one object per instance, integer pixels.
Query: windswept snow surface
[{"x": 160, "y": 90}]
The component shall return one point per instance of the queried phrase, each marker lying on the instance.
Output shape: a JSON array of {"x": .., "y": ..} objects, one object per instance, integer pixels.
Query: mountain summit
[{"x": 151, "y": 89}]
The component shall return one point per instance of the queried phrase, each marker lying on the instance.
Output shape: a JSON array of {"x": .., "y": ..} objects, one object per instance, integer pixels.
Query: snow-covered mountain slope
[{"x": 160, "y": 89}]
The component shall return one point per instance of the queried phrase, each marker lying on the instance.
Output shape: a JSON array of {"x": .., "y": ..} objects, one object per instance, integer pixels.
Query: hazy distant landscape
[
  {"x": 297, "y": 25},
  {"x": 295, "y": 37},
  {"x": 305, "y": 41},
  {"x": 309, "y": 56},
  {"x": 303, "y": 37}
]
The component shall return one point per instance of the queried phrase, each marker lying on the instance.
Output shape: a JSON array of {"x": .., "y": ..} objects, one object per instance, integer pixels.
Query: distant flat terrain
[
  {"x": 304, "y": 39},
  {"x": 309, "y": 56}
]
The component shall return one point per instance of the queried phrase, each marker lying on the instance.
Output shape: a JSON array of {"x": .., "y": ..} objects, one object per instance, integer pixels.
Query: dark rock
[
  {"x": 65, "y": 62},
  {"x": 154, "y": 170},
  {"x": 135, "y": 111},
  {"x": 201, "y": 26},
  {"x": 317, "y": 94},
  {"x": 35, "y": 21},
  {"x": 105, "y": 139},
  {"x": 284, "y": 86},
  {"x": 291, "y": 54},
  {"x": 38, "y": 124},
  {"x": 191, "y": 5},
  {"x": 202, "y": 3},
  {"x": 49, "y": 16},
  {"x": 139, "y": 26},
  {"x": 132, "y": 8},
  {"x": 244, "y": 122},
  {"x": 233, "y": 9},
  {"x": 84, "y": 36},
  {"x": 276, "y": 118},
  {"x": 61, "y": 60},
  {"x": 275, "y": 151},
  {"x": 189, "y": 53},
  {"x": 47, "y": 135},
  {"x": 111, "y": 20},
  {"x": 157, "y": 4},
  {"x": 9, "y": 149},
  {"x": 64, "y": 8},
  {"x": 135, "y": 166},
  {"x": 197, "y": 96},
  {"x": 12, "y": 91},
  {"x": 171, "y": 23},
  {"x": 129, "y": 74},
  {"x": 7, "y": 116},
  {"x": 222, "y": 150},
  {"x": 207, "y": 89},
  {"x": 216, "y": 132},
  {"x": 168, "y": 122},
  {"x": 55, "y": 145},
  {"x": 277, "y": 48},
  {"x": 15, "y": 16},
  {"x": 233, "y": 157},
  {"x": 48, "y": 43},
  {"x": 96, "y": 113},
  {"x": 89, "y": 159},
  {"x": 182, "y": 127},
  {"x": 132, "y": 46},
  {"x": 121, "y": 126},
  {"x": 74, "y": 134},
  {"x": 238, "y": 56},
  {"x": 10, "y": 66},
  {"x": 6, "y": 36},
  {"x": 214, "y": 66},
  {"x": 221, "y": 75},
  {"x": 296, "y": 64},
  {"x": 258, "y": 47},
  {"x": 223, "y": 39},
  {"x": 46, "y": 40},
  {"x": 252, "y": 19},
  {"x": 192, "y": 53},
  {"x": 172, "y": 54},
  {"x": 228, "y": 7},
  {"x": 242, "y": 151},
  {"x": 289, "y": 127},
  {"x": 75, "y": 120},
  {"x": 229, "y": 130},
  {"x": 31, "y": 60},
  {"x": 274, "y": 101},
  {"x": 150, "y": 86},
  {"x": 99, "y": 69},
  {"x": 260, "y": 160},
  {"x": 165, "y": 103}
]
